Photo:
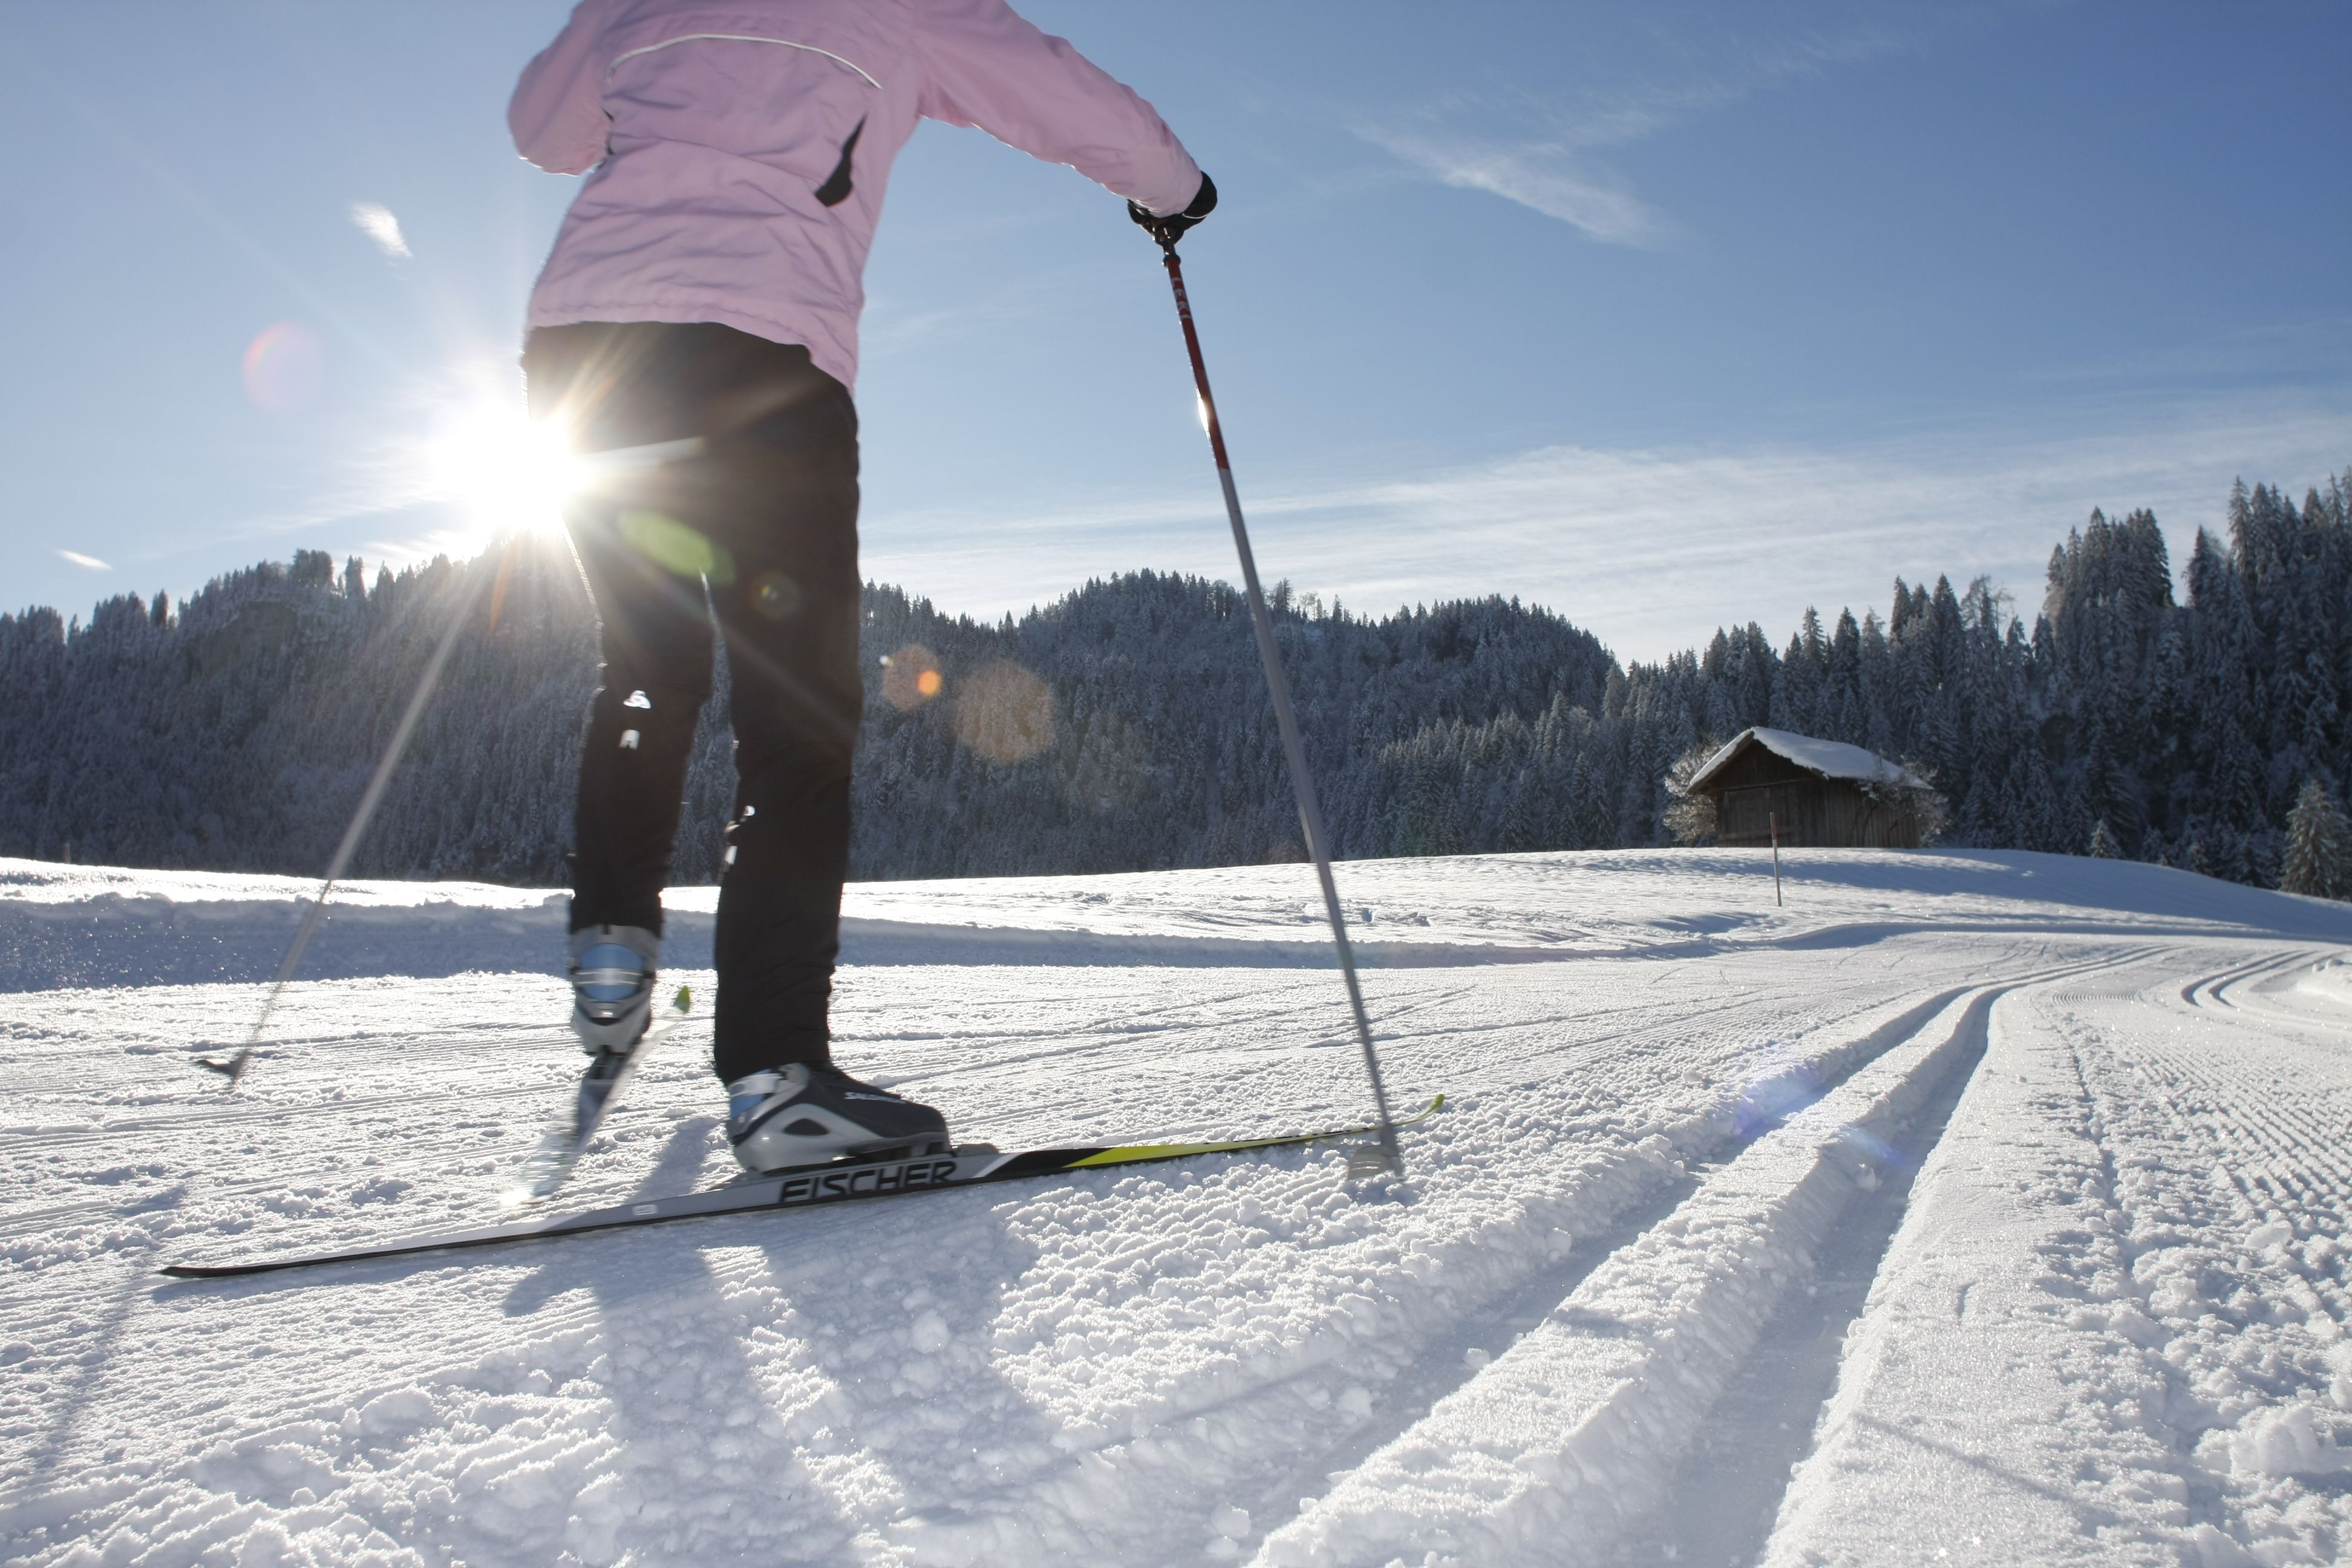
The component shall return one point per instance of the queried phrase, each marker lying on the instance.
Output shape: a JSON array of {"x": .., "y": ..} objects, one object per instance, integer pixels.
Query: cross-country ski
[{"x": 844, "y": 1182}]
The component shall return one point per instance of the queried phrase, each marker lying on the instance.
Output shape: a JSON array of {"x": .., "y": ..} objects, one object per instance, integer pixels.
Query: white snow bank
[
  {"x": 2285, "y": 1441},
  {"x": 2329, "y": 983},
  {"x": 1156, "y": 1368},
  {"x": 77, "y": 926}
]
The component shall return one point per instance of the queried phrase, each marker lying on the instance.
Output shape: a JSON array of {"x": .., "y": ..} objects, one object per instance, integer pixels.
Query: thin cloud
[
  {"x": 1548, "y": 178},
  {"x": 79, "y": 559},
  {"x": 1652, "y": 549},
  {"x": 378, "y": 224},
  {"x": 1545, "y": 154}
]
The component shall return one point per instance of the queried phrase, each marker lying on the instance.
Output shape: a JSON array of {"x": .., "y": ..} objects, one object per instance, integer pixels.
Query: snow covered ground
[{"x": 1969, "y": 1208}]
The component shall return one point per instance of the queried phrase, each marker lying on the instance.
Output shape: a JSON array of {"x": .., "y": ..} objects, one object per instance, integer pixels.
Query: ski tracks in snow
[
  {"x": 1575, "y": 1432},
  {"x": 1832, "y": 1241},
  {"x": 2111, "y": 1329}
]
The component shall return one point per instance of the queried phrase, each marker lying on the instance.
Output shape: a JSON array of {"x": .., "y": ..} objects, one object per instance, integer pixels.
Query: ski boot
[
  {"x": 802, "y": 1115},
  {"x": 612, "y": 1014},
  {"x": 612, "y": 1004},
  {"x": 612, "y": 986}
]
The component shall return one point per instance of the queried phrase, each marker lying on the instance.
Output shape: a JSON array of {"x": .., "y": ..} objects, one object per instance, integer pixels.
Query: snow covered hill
[{"x": 1971, "y": 1207}]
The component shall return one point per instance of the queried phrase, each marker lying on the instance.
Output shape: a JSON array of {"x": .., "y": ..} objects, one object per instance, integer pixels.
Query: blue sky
[{"x": 1664, "y": 315}]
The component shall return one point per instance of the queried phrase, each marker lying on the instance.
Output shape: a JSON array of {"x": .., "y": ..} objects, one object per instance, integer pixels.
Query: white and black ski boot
[
  {"x": 612, "y": 1013},
  {"x": 803, "y": 1115},
  {"x": 612, "y": 1004},
  {"x": 612, "y": 986}
]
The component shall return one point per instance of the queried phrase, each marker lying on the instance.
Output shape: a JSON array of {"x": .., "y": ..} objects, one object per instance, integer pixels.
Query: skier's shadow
[
  {"x": 875, "y": 1323},
  {"x": 705, "y": 1469},
  {"x": 897, "y": 1304}
]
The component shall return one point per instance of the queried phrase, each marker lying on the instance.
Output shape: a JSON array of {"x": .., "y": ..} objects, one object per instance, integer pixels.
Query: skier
[{"x": 704, "y": 288}]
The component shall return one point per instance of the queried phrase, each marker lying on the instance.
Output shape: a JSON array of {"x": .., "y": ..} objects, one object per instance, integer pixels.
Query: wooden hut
[{"x": 1825, "y": 794}]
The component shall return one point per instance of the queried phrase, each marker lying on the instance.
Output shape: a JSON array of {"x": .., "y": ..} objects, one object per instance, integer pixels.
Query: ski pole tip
[{"x": 232, "y": 1068}]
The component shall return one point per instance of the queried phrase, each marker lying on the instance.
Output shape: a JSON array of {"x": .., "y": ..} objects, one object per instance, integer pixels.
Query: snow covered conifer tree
[
  {"x": 2103, "y": 843},
  {"x": 1690, "y": 818},
  {"x": 2318, "y": 846}
]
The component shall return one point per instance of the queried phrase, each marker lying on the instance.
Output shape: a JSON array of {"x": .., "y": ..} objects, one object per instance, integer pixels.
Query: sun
[{"x": 509, "y": 473}]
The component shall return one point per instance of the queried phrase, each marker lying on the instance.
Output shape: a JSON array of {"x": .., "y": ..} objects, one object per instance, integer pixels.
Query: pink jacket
[{"x": 740, "y": 150}]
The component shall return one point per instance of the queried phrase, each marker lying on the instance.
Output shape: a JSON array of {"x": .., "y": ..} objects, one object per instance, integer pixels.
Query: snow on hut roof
[{"x": 1831, "y": 759}]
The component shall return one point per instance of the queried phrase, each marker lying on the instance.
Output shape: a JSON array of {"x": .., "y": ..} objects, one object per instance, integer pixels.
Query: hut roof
[{"x": 1831, "y": 759}]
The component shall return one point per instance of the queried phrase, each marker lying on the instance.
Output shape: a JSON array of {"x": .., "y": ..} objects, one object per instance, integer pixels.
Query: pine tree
[
  {"x": 235, "y": 730},
  {"x": 2318, "y": 846},
  {"x": 2103, "y": 843}
]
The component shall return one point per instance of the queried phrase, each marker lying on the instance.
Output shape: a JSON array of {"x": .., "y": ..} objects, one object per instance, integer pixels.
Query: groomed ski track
[{"x": 1972, "y": 1208}]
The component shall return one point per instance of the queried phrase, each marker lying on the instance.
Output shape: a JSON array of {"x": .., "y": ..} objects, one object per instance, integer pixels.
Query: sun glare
[{"x": 510, "y": 474}]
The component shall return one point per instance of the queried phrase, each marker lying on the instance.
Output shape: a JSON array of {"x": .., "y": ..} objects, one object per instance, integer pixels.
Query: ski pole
[
  {"x": 592, "y": 467},
  {"x": 1302, "y": 783},
  {"x": 233, "y": 1066}
]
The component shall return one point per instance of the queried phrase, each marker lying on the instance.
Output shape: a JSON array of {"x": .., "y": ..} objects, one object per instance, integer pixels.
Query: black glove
[{"x": 1166, "y": 230}]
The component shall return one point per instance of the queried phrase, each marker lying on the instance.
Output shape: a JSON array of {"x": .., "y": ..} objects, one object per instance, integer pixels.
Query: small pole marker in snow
[
  {"x": 1772, "y": 818},
  {"x": 1386, "y": 1155}
]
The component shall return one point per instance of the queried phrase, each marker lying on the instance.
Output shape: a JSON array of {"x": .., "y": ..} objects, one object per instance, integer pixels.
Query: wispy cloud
[
  {"x": 1547, "y": 154},
  {"x": 79, "y": 559},
  {"x": 1551, "y": 177},
  {"x": 378, "y": 224},
  {"x": 1652, "y": 549}
]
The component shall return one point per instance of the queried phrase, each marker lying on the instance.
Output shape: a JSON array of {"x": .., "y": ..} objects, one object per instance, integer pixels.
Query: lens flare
[
  {"x": 677, "y": 548},
  {"x": 1109, "y": 766},
  {"x": 911, "y": 677},
  {"x": 1005, "y": 713},
  {"x": 285, "y": 368},
  {"x": 776, "y": 596},
  {"x": 1869, "y": 1143}
]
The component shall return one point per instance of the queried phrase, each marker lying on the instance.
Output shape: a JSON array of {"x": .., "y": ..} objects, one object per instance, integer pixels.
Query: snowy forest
[{"x": 1125, "y": 727}]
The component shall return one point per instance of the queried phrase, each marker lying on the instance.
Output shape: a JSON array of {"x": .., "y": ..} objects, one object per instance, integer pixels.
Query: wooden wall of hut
[{"x": 1813, "y": 812}]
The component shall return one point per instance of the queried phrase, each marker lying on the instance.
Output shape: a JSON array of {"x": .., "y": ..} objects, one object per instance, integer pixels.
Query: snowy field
[{"x": 1971, "y": 1208}]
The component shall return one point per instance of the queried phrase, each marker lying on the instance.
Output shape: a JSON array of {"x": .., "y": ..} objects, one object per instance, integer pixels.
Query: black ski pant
[{"x": 760, "y": 525}]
